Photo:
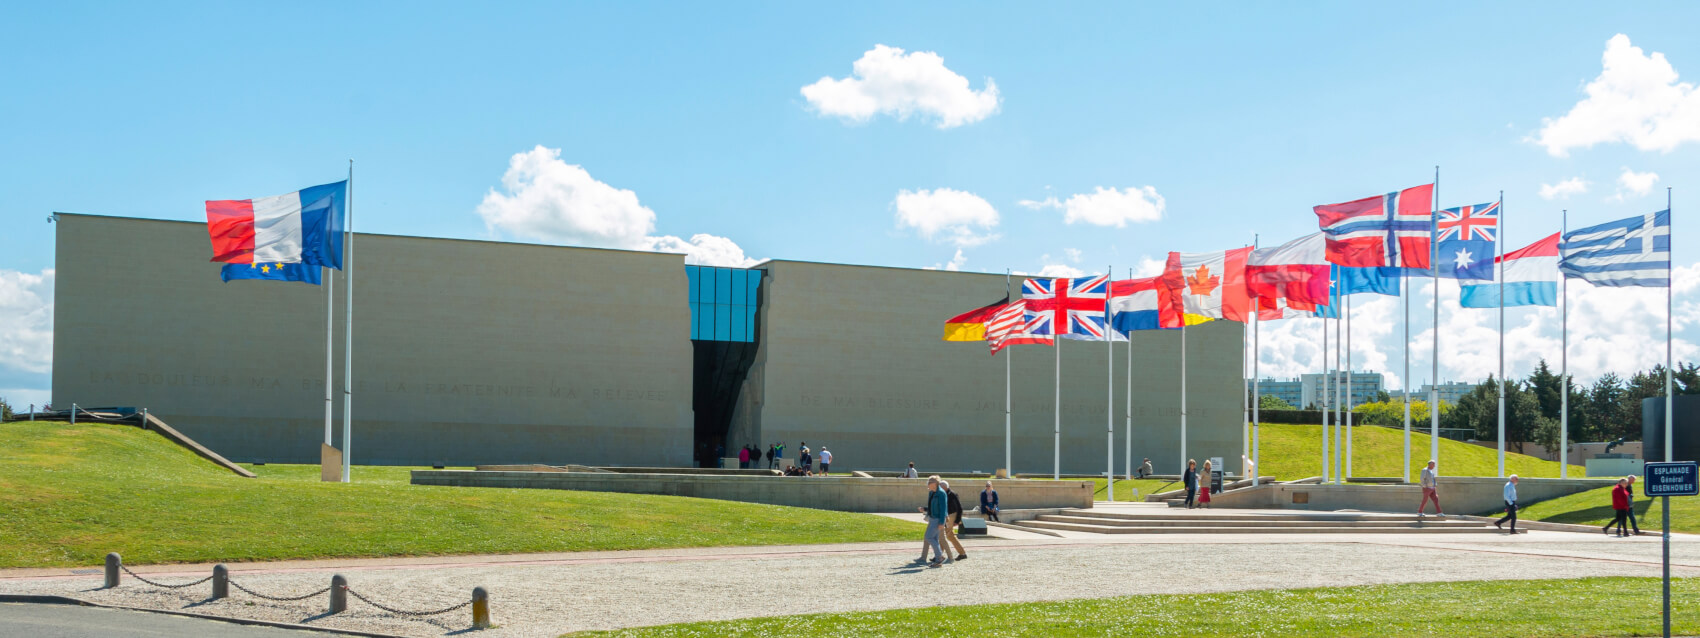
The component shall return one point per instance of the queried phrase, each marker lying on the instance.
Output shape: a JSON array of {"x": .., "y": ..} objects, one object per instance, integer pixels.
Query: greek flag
[{"x": 1628, "y": 252}]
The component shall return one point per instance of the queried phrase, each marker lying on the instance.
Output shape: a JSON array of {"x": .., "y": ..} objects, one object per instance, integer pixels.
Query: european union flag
[{"x": 306, "y": 273}]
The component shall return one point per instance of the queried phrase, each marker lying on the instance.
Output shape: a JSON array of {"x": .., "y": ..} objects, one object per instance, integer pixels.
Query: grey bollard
[
  {"x": 339, "y": 594},
  {"x": 221, "y": 581},
  {"x": 73, "y": 414},
  {"x": 113, "y": 563},
  {"x": 480, "y": 608}
]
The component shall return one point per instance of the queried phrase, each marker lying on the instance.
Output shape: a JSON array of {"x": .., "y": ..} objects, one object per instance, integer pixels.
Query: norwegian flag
[
  {"x": 1008, "y": 327},
  {"x": 1062, "y": 307},
  {"x": 1381, "y": 231}
]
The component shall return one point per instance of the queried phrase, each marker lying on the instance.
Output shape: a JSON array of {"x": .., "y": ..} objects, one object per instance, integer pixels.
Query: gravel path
[{"x": 547, "y": 600}]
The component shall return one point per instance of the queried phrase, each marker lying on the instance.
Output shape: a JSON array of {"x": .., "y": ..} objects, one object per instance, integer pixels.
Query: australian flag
[
  {"x": 1465, "y": 237},
  {"x": 305, "y": 273}
]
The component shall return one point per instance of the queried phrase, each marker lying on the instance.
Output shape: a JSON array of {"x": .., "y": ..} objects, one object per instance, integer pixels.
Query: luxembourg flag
[
  {"x": 303, "y": 227},
  {"x": 1531, "y": 279}
]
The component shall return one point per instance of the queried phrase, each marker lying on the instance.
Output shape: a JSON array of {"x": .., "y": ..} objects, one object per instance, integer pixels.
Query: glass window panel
[
  {"x": 740, "y": 324},
  {"x": 739, "y": 276},
  {"x": 691, "y": 287},
  {"x": 705, "y": 288},
  {"x": 723, "y": 285},
  {"x": 723, "y": 322},
  {"x": 696, "y": 321},
  {"x": 755, "y": 286},
  {"x": 750, "y": 323}
]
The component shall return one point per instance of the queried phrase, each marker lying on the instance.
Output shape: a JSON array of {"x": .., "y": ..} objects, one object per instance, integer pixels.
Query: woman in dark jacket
[
  {"x": 1620, "y": 508},
  {"x": 989, "y": 503},
  {"x": 1190, "y": 477}
]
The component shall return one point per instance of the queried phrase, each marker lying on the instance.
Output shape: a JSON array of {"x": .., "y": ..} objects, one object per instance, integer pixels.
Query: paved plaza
[{"x": 549, "y": 594}]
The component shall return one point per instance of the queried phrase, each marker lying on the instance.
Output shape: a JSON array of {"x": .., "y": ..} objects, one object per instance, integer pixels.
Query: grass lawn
[
  {"x": 1124, "y": 488},
  {"x": 1593, "y": 507},
  {"x": 70, "y": 494},
  {"x": 1531, "y": 608},
  {"x": 1295, "y": 451}
]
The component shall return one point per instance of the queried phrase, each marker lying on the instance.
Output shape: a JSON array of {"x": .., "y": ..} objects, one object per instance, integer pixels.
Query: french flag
[{"x": 303, "y": 227}]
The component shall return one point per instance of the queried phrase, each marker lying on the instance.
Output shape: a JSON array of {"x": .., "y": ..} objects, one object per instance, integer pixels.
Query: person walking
[
  {"x": 770, "y": 447},
  {"x": 803, "y": 457},
  {"x": 989, "y": 502},
  {"x": 1145, "y": 468},
  {"x": 1620, "y": 504},
  {"x": 1629, "y": 488},
  {"x": 1190, "y": 479},
  {"x": 911, "y": 473},
  {"x": 825, "y": 459},
  {"x": 953, "y": 517},
  {"x": 1204, "y": 490},
  {"x": 1428, "y": 482},
  {"x": 1510, "y": 505},
  {"x": 935, "y": 511},
  {"x": 744, "y": 457}
]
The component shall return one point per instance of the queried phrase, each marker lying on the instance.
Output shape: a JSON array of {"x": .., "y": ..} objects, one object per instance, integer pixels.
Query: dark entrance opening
[{"x": 720, "y": 368}]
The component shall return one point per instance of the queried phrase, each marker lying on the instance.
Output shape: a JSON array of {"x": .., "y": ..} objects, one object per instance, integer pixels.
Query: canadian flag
[{"x": 1209, "y": 284}]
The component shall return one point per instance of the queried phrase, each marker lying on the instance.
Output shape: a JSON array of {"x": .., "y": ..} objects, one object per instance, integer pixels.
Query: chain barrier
[
  {"x": 401, "y": 612},
  {"x": 159, "y": 584},
  {"x": 281, "y": 599}
]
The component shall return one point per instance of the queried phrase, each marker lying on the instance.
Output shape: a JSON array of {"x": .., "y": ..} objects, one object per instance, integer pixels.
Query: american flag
[
  {"x": 1008, "y": 327},
  {"x": 1059, "y": 307}
]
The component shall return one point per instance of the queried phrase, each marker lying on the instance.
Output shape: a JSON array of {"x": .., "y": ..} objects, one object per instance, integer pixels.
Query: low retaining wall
[
  {"x": 841, "y": 493},
  {"x": 1458, "y": 495}
]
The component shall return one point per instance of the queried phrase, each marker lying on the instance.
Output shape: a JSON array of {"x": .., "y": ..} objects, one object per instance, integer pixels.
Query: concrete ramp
[{"x": 1167, "y": 521}]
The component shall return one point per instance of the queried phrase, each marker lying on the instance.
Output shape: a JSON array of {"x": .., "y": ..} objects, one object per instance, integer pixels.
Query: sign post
[{"x": 1665, "y": 480}]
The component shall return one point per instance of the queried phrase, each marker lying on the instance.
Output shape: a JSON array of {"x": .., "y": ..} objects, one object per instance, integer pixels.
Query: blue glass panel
[
  {"x": 750, "y": 323},
  {"x": 722, "y": 285},
  {"x": 705, "y": 285},
  {"x": 696, "y": 321},
  {"x": 740, "y": 323},
  {"x": 723, "y": 322},
  {"x": 691, "y": 288},
  {"x": 755, "y": 285},
  {"x": 739, "y": 276}
]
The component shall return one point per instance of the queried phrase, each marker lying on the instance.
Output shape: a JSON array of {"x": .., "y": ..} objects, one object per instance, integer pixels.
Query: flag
[
  {"x": 1008, "y": 327},
  {"x": 303, "y": 227},
  {"x": 1466, "y": 237},
  {"x": 1143, "y": 304},
  {"x": 305, "y": 273},
  {"x": 1627, "y": 252},
  {"x": 1385, "y": 230},
  {"x": 1296, "y": 270},
  {"x": 1380, "y": 281},
  {"x": 971, "y": 325},
  {"x": 1061, "y": 307},
  {"x": 1531, "y": 279},
  {"x": 1210, "y": 284},
  {"x": 1274, "y": 309}
]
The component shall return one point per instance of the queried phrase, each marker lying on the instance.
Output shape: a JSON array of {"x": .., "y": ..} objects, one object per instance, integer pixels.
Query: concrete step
[
  {"x": 1232, "y": 515},
  {"x": 1336, "y": 529},
  {"x": 1248, "y": 525}
]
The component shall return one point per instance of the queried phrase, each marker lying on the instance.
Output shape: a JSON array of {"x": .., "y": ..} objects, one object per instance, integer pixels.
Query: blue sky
[{"x": 1239, "y": 117}]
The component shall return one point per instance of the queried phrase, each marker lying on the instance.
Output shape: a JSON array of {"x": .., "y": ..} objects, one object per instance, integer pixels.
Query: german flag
[{"x": 971, "y": 325}]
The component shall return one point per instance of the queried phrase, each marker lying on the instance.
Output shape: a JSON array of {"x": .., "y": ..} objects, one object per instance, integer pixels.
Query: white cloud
[
  {"x": 947, "y": 214},
  {"x": 1111, "y": 207},
  {"x": 1149, "y": 267},
  {"x": 1036, "y": 204},
  {"x": 1636, "y": 100},
  {"x": 955, "y": 263},
  {"x": 1073, "y": 254},
  {"x": 1638, "y": 184},
  {"x": 26, "y": 320},
  {"x": 549, "y": 200},
  {"x": 1564, "y": 189},
  {"x": 887, "y": 80},
  {"x": 1057, "y": 270}
]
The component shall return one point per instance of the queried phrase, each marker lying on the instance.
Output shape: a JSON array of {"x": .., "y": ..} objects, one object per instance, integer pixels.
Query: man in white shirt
[
  {"x": 1510, "y": 505},
  {"x": 911, "y": 473},
  {"x": 825, "y": 459},
  {"x": 1428, "y": 483}
]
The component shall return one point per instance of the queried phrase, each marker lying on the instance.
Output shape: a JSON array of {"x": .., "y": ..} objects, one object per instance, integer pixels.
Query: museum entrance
[{"x": 724, "y": 303}]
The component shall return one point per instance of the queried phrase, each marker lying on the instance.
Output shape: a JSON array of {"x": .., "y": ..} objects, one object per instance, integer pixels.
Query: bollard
[
  {"x": 144, "y": 418},
  {"x": 221, "y": 581},
  {"x": 339, "y": 594},
  {"x": 32, "y": 413},
  {"x": 480, "y": 608},
  {"x": 73, "y": 414},
  {"x": 113, "y": 563}
]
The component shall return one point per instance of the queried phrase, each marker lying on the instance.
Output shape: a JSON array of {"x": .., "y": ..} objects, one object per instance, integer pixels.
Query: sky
[{"x": 970, "y": 136}]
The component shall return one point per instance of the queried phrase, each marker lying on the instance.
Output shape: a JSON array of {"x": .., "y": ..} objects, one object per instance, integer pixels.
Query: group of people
[
  {"x": 944, "y": 513},
  {"x": 1197, "y": 492},
  {"x": 1623, "y": 508},
  {"x": 750, "y": 455}
]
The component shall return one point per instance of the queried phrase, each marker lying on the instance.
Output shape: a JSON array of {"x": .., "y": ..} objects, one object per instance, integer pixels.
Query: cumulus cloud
[
  {"x": 1637, "y": 100},
  {"x": 1106, "y": 206},
  {"x": 1291, "y": 347},
  {"x": 1564, "y": 189},
  {"x": 955, "y": 263},
  {"x": 887, "y": 80},
  {"x": 546, "y": 199},
  {"x": 26, "y": 321},
  {"x": 1633, "y": 183},
  {"x": 1073, "y": 254},
  {"x": 946, "y": 214},
  {"x": 1057, "y": 270}
]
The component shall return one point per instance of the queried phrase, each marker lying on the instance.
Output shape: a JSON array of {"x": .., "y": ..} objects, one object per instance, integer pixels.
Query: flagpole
[
  {"x": 1256, "y": 392},
  {"x": 1109, "y": 393},
  {"x": 1669, "y": 284},
  {"x": 1499, "y": 273},
  {"x": 348, "y": 335},
  {"x": 1183, "y": 389},
  {"x": 1434, "y": 330},
  {"x": 330, "y": 356},
  {"x": 1127, "y": 455},
  {"x": 1009, "y": 472},
  {"x": 1339, "y": 398},
  {"x": 1348, "y": 387},
  {"x": 1405, "y": 300},
  {"x": 1564, "y": 358},
  {"x": 1322, "y": 400},
  {"x": 1056, "y": 426}
]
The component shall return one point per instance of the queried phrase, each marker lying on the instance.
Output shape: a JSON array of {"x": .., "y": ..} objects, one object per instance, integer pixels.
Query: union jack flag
[
  {"x": 1469, "y": 223},
  {"x": 1066, "y": 306}
]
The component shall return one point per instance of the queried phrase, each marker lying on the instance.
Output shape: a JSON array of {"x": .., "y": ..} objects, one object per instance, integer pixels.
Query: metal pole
[
  {"x": 1322, "y": 399},
  {"x": 1434, "y": 332},
  {"x": 1348, "y": 387},
  {"x": 1008, "y": 364},
  {"x": 1405, "y": 300},
  {"x": 1183, "y": 390},
  {"x": 1669, "y": 285},
  {"x": 1056, "y": 426},
  {"x": 1499, "y": 273},
  {"x": 1664, "y": 504},
  {"x": 1339, "y": 397},
  {"x": 348, "y": 335},
  {"x": 330, "y": 356},
  {"x": 1256, "y": 405},
  {"x": 1564, "y": 360},
  {"x": 1127, "y": 456},
  {"x": 1109, "y": 394}
]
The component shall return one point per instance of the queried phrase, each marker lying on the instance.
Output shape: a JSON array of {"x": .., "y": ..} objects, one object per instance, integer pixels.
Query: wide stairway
[{"x": 1162, "y": 520}]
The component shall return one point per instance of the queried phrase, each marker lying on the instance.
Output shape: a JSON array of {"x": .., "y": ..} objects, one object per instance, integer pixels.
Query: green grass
[
  {"x": 1124, "y": 488},
  {"x": 1593, "y": 507},
  {"x": 70, "y": 494},
  {"x": 1295, "y": 451},
  {"x": 1531, "y": 608}
]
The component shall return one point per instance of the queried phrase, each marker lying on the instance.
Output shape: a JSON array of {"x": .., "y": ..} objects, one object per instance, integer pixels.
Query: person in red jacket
[{"x": 1620, "y": 508}]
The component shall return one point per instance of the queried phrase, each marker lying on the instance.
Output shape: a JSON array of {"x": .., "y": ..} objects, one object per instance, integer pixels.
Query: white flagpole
[
  {"x": 1434, "y": 330},
  {"x": 1564, "y": 359},
  {"x": 1669, "y": 284},
  {"x": 1405, "y": 300},
  {"x": 330, "y": 343},
  {"x": 1339, "y": 396},
  {"x": 1322, "y": 400},
  {"x": 1499, "y": 273},
  {"x": 348, "y": 335},
  {"x": 1056, "y": 426},
  {"x": 1109, "y": 393},
  {"x": 1007, "y": 365},
  {"x": 1348, "y": 387},
  {"x": 1257, "y": 395},
  {"x": 1183, "y": 389},
  {"x": 1127, "y": 455}
]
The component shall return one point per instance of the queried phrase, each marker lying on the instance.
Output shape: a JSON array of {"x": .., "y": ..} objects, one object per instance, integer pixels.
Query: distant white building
[
  {"x": 1307, "y": 390},
  {"x": 1450, "y": 392}
]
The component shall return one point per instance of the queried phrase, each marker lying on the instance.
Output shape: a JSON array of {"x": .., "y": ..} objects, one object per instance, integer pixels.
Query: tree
[
  {"x": 1606, "y": 417},
  {"x": 1272, "y": 402},
  {"x": 5, "y": 409},
  {"x": 1476, "y": 411},
  {"x": 1381, "y": 396},
  {"x": 1547, "y": 388}
]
